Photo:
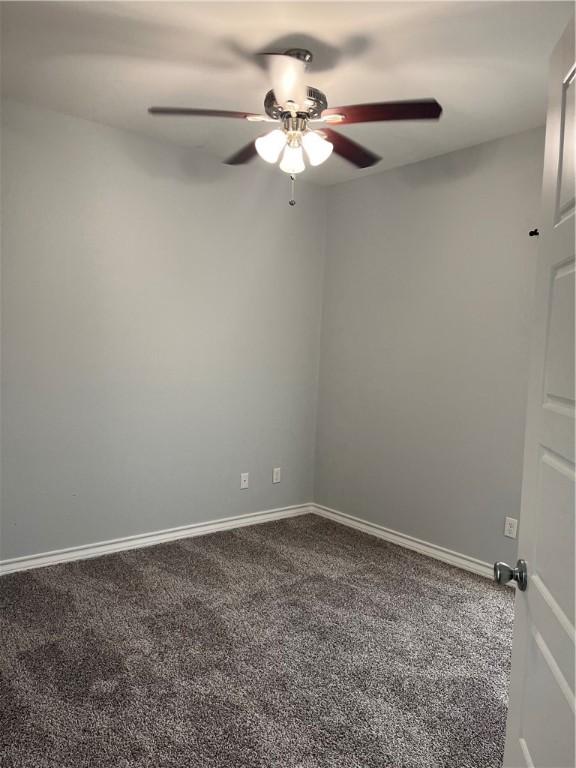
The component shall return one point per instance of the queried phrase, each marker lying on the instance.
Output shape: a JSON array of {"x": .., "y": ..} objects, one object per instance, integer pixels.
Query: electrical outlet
[
  {"x": 276, "y": 474},
  {"x": 244, "y": 478},
  {"x": 510, "y": 527}
]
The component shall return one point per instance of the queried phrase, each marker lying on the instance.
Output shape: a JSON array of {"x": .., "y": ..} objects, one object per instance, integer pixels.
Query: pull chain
[{"x": 292, "y": 201}]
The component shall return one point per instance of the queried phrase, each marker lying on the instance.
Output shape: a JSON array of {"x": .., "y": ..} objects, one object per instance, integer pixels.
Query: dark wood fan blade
[
  {"x": 243, "y": 155},
  {"x": 423, "y": 109},
  {"x": 187, "y": 112},
  {"x": 350, "y": 150}
]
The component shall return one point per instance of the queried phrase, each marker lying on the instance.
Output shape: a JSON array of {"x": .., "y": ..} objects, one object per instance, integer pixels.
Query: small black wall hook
[{"x": 533, "y": 233}]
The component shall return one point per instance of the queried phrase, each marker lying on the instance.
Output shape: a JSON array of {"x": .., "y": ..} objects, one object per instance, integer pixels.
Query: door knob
[{"x": 504, "y": 573}]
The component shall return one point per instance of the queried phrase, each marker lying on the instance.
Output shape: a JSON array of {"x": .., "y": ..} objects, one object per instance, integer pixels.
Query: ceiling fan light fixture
[
  {"x": 297, "y": 109},
  {"x": 317, "y": 147},
  {"x": 292, "y": 160},
  {"x": 270, "y": 146}
]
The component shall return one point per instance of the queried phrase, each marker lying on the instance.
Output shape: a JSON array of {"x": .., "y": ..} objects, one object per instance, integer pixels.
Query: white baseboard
[
  {"x": 148, "y": 539},
  {"x": 409, "y": 542},
  {"x": 201, "y": 529}
]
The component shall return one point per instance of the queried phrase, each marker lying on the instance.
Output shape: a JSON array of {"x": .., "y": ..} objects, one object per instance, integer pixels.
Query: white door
[{"x": 540, "y": 728}]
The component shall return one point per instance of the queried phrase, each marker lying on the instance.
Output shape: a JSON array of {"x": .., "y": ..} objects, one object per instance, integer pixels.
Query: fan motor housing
[{"x": 316, "y": 104}]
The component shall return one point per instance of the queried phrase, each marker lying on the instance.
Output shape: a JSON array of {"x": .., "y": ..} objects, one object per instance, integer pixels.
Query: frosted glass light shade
[
  {"x": 270, "y": 146},
  {"x": 317, "y": 148},
  {"x": 292, "y": 160}
]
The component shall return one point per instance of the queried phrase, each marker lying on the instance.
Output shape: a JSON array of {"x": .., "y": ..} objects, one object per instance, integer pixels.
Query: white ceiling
[{"x": 485, "y": 62}]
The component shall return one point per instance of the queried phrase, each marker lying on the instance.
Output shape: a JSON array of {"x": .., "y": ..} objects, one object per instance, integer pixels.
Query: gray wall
[
  {"x": 161, "y": 334},
  {"x": 160, "y": 328},
  {"x": 425, "y": 345}
]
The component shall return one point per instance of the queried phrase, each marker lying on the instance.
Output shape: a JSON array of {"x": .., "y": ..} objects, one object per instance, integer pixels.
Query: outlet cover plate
[{"x": 511, "y": 527}]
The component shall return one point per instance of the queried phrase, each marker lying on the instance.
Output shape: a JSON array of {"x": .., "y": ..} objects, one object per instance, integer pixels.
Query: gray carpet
[{"x": 295, "y": 644}]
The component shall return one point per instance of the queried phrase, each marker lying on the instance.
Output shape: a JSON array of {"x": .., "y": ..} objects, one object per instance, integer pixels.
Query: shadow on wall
[
  {"x": 181, "y": 163},
  {"x": 156, "y": 157},
  {"x": 201, "y": 166},
  {"x": 449, "y": 167}
]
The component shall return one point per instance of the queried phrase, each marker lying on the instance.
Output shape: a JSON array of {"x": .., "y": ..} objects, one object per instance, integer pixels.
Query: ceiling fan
[{"x": 299, "y": 111}]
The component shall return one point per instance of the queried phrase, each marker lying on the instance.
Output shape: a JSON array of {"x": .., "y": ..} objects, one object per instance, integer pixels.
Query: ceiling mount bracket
[{"x": 300, "y": 53}]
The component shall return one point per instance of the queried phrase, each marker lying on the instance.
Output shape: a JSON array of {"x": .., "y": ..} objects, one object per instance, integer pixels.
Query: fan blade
[
  {"x": 244, "y": 155},
  {"x": 187, "y": 112},
  {"x": 287, "y": 77},
  {"x": 424, "y": 109},
  {"x": 350, "y": 150}
]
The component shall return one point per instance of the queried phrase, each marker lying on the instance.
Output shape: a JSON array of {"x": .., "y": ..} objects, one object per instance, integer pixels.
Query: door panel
[
  {"x": 559, "y": 383},
  {"x": 565, "y": 204},
  {"x": 540, "y": 730},
  {"x": 545, "y": 611},
  {"x": 548, "y": 738},
  {"x": 556, "y": 513}
]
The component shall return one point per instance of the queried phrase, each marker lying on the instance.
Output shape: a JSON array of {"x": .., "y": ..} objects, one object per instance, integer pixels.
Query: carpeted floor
[{"x": 295, "y": 644}]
